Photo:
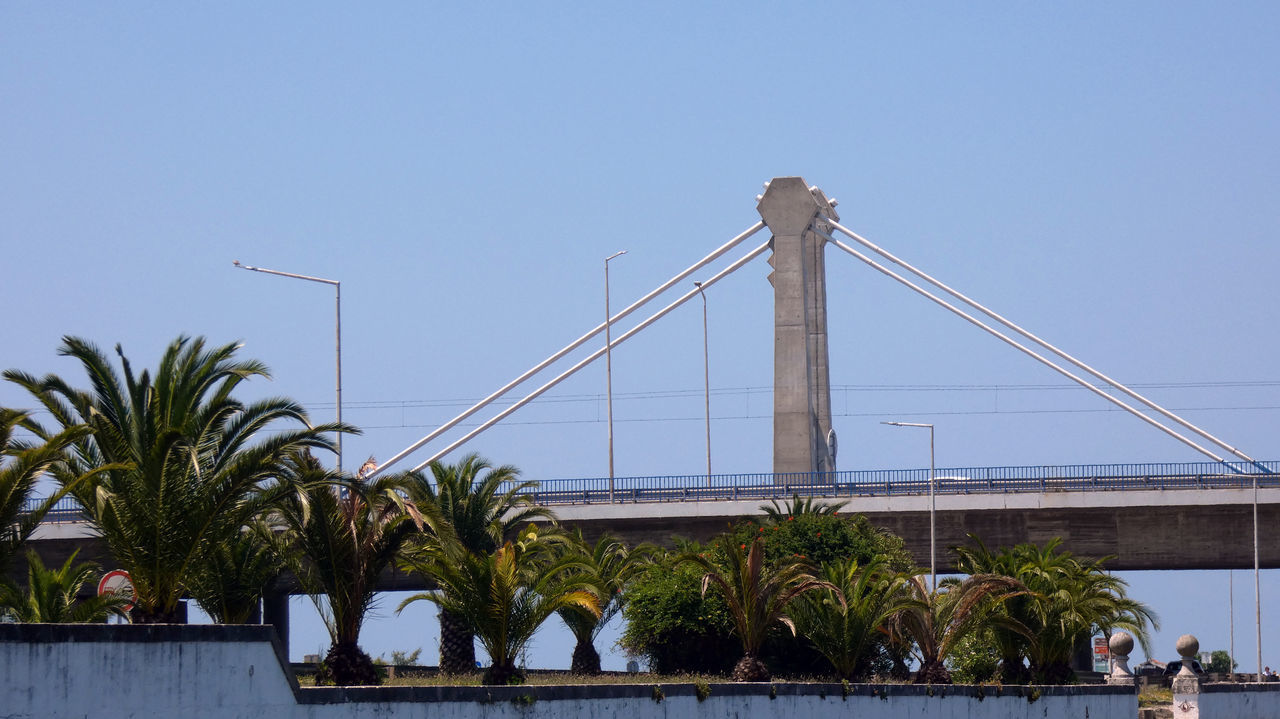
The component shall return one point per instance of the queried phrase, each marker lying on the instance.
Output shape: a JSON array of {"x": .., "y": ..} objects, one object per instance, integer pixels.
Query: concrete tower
[{"x": 801, "y": 379}]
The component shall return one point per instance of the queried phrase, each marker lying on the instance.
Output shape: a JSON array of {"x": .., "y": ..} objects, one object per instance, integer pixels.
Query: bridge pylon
[{"x": 802, "y": 437}]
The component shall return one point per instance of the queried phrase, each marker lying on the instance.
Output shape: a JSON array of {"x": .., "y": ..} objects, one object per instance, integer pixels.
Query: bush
[{"x": 673, "y": 626}]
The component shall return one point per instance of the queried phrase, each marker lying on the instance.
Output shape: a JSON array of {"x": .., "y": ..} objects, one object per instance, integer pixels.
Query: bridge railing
[{"x": 867, "y": 483}]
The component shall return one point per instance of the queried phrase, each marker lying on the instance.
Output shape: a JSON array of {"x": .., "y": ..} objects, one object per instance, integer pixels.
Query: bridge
[{"x": 1147, "y": 516}]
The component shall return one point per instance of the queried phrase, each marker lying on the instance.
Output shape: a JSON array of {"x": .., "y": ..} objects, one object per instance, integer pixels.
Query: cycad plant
[
  {"x": 340, "y": 535},
  {"x": 757, "y": 597},
  {"x": 236, "y": 574},
  {"x": 483, "y": 506},
  {"x": 846, "y": 622},
  {"x": 181, "y": 465},
  {"x": 938, "y": 620},
  {"x": 22, "y": 465},
  {"x": 609, "y": 566},
  {"x": 507, "y": 594},
  {"x": 52, "y": 595}
]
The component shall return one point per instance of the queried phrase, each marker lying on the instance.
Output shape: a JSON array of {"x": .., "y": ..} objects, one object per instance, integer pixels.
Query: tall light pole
[
  {"x": 608, "y": 364},
  {"x": 933, "y": 543},
  {"x": 337, "y": 288},
  {"x": 706, "y": 375},
  {"x": 1257, "y": 579}
]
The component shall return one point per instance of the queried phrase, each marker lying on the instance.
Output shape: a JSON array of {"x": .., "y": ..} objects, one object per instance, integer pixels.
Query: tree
[
  {"x": 340, "y": 535},
  {"x": 181, "y": 466},
  {"x": 52, "y": 595},
  {"x": 845, "y": 621},
  {"x": 235, "y": 575},
  {"x": 937, "y": 621},
  {"x": 1220, "y": 662},
  {"x": 756, "y": 596},
  {"x": 505, "y": 595},
  {"x": 609, "y": 567},
  {"x": 483, "y": 505}
]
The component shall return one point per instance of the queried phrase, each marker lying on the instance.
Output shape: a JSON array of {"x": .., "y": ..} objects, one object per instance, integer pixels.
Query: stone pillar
[
  {"x": 1121, "y": 644},
  {"x": 801, "y": 379},
  {"x": 1186, "y": 684}
]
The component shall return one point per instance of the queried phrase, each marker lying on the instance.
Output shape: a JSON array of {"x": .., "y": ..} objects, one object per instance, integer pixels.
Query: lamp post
[
  {"x": 706, "y": 375},
  {"x": 608, "y": 364},
  {"x": 337, "y": 288},
  {"x": 933, "y": 544}
]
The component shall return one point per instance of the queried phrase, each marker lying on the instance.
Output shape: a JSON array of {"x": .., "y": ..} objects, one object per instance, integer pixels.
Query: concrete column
[
  {"x": 275, "y": 611},
  {"x": 801, "y": 384},
  {"x": 1186, "y": 685}
]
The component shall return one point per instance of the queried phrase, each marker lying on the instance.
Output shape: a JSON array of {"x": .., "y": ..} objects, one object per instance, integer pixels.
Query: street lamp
[
  {"x": 608, "y": 364},
  {"x": 337, "y": 288},
  {"x": 933, "y": 543},
  {"x": 706, "y": 375}
]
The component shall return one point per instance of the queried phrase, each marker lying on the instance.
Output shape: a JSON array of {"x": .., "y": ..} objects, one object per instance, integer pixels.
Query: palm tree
[
  {"x": 610, "y": 566},
  {"x": 235, "y": 575},
  {"x": 1009, "y": 640},
  {"x": 22, "y": 465},
  {"x": 51, "y": 595},
  {"x": 483, "y": 505},
  {"x": 757, "y": 597},
  {"x": 182, "y": 467},
  {"x": 340, "y": 534},
  {"x": 844, "y": 622},
  {"x": 938, "y": 620},
  {"x": 505, "y": 595},
  {"x": 798, "y": 506}
]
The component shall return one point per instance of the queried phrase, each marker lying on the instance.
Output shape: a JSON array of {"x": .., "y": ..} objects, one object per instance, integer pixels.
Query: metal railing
[{"x": 866, "y": 483}]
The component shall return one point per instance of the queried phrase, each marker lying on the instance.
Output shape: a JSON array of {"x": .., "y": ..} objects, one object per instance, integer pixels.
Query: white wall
[{"x": 122, "y": 671}]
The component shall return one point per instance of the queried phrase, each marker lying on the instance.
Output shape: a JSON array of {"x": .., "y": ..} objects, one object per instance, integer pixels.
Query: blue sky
[{"x": 1103, "y": 174}]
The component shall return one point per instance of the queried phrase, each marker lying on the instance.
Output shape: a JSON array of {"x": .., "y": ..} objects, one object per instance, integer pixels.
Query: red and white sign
[{"x": 117, "y": 582}]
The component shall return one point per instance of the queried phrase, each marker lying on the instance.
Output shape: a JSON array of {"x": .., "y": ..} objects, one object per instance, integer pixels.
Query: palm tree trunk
[
  {"x": 933, "y": 672},
  {"x": 457, "y": 644},
  {"x": 750, "y": 669},
  {"x": 347, "y": 665},
  {"x": 586, "y": 660},
  {"x": 142, "y": 615}
]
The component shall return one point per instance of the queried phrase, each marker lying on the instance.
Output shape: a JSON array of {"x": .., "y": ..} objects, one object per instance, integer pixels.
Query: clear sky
[{"x": 1103, "y": 173}]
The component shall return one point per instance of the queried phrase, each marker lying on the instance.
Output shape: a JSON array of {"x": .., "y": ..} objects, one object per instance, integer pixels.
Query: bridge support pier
[
  {"x": 275, "y": 611},
  {"x": 801, "y": 380}
]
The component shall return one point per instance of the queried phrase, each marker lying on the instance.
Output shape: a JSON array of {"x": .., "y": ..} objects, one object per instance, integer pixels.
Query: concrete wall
[
  {"x": 1238, "y": 701},
  {"x": 220, "y": 672}
]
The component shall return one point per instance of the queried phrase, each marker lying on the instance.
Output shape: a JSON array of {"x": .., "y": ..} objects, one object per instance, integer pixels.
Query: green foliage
[
  {"x": 52, "y": 595},
  {"x": 405, "y": 659},
  {"x": 845, "y": 622},
  {"x": 1220, "y": 662},
  {"x": 609, "y": 566},
  {"x": 176, "y": 466},
  {"x": 507, "y": 594},
  {"x": 823, "y": 538},
  {"x": 673, "y": 625},
  {"x": 975, "y": 658}
]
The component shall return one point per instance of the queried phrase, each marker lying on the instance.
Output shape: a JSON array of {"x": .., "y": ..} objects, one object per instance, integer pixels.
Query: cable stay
[
  {"x": 1102, "y": 378},
  {"x": 502, "y": 391}
]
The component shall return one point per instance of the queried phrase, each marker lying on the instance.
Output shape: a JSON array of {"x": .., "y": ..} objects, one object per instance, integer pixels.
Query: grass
[
  {"x": 419, "y": 678},
  {"x": 1156, "y": 697}
]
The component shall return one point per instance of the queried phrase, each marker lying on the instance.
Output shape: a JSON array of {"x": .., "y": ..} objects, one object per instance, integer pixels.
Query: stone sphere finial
[
  {"x": 1188, "y": 646},
  {"x": 1121, "y": 644}
]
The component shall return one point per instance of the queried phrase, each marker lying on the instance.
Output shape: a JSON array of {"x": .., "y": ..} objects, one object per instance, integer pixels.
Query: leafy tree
[
  {"x": 483, "y": 505},
  {"x": 823, "y": 537},
  {"x": 507, "y": 594},
  {"x": 181, "y": 466},
  {"x": 938, "y": 621},
  {"x": 675, "y": 627},
  {"x": 340, "y": 536},
  {"x": 846, "y": 621},
  {"x": 52, "y": 595},
  {"x": 1220, "y": 662},
  {"x": 757, "y": 597},
  {"x": 609, "y": 567}
]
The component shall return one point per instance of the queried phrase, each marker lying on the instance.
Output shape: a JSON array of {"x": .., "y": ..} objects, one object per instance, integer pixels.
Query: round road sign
[{"x": 117, "y": 582}]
